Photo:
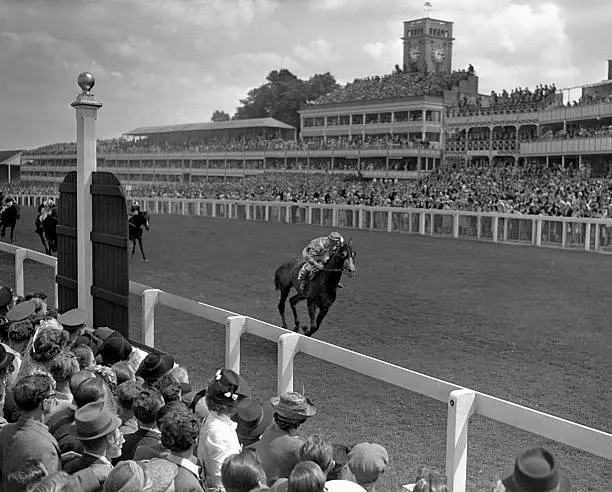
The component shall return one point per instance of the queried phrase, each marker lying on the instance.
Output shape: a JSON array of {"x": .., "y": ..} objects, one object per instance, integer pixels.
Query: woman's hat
[
  {"x": 253, "y": 419},
  {"x": 536, "y": 470},
  {"x": 22, "y": 311},
  {"x": 154, "y": 366},
  {"x": 6, "y": 358},
  {"x": 95, "y": 420},
  {"x": 292, "y": 405},
  {"x": 223, "y": 387},
  {"x": 114, "y": 349}
]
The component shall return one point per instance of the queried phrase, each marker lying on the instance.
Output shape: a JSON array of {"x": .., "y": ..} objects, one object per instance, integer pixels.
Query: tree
[
  {"x": 282, "y": 96},
  {"x": 219, "y": 115}
]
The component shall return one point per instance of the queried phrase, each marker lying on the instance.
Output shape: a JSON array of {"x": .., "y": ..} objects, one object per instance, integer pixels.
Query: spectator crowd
[
  {"x": 532, "y": 189},
  {"x": 81, "y": 409}
]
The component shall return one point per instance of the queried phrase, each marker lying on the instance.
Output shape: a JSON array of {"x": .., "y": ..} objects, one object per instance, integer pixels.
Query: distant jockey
[
  {"x": 135, "y": 210},
  {"x": 317, "y": 253}
]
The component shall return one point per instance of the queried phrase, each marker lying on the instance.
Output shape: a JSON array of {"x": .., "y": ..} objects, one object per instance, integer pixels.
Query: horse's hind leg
[
  {"x": 133, "y": 246},
  {"x": 292, "y": 302},
  {"x": 281, "y": 304},
  {"x": 144, "y": 257}
]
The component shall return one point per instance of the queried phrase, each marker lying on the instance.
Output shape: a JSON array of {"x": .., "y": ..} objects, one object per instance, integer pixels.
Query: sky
[{"x": 160, "y": 62}]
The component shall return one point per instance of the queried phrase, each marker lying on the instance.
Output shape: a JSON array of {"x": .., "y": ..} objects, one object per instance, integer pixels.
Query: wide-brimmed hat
[
  {"x": 536, "y": 470},
  {"x": 293, "y": 405},
  {"x": 95, "y": 420},
  {"x": 6, "y": 296},
  {"x": 154, "y": 366},
  {"x": 6, "y": 357},
  {"x": 22, "y": 311},
  {"x": 253, "y": 419}
]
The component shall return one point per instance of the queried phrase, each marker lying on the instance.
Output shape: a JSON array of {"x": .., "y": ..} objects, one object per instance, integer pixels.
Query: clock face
[
  {"x": 414, "y": 54},
  {"x": 438, "y": 54}
]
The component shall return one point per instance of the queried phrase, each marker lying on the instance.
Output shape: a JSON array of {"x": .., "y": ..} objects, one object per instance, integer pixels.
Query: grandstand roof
[
  {"x": 5, "y": 155},
  {"x": 209, "y": 126}
]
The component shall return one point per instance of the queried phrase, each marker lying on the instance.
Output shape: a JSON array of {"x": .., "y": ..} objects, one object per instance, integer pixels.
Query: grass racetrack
[{"x": 525, "y": 324}]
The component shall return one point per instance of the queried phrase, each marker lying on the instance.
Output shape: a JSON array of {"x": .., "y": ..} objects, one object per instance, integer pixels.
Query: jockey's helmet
[
  {"x": 51, "y": 202},
  {"x": 335, "y": 237}
]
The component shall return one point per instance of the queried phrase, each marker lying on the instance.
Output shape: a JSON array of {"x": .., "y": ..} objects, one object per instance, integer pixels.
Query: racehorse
[
  {"x": 136, "y": 223},
  {"x": 321, "y": 290},
  {"x": 9, "y": 216}
]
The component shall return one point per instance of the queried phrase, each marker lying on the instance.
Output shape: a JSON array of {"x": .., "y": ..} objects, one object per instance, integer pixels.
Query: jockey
[
  {"x": 317, "y": 253},
  {"x": 135, "y": 210}
]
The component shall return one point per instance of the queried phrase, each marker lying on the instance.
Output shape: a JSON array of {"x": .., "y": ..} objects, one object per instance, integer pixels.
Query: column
[{"x": 87, "y": 108}]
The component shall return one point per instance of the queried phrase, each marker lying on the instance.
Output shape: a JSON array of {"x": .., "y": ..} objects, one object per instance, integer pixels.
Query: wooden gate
[
  {"x": 67, "y": 260},
  {"x": 109, "y": 237}
]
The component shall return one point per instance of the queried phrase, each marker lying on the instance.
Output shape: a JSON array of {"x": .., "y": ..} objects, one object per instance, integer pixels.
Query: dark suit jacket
[
  {"x": 142, "y": 437},
  {"x": 278, "y": 452},
  {"x": 25, "y": 440},
  {"x": 78, "y": 464}
]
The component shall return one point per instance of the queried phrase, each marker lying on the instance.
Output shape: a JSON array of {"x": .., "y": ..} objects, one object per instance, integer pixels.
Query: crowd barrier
[
  {"x": 461, "y": 402},
  {"x": 587, "y": 234}
]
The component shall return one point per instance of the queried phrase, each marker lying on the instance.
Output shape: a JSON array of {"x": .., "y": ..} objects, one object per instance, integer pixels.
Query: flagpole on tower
[{"x": 428, "y": 8}]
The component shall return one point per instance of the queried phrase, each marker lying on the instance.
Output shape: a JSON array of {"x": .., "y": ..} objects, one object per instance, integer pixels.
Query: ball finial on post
[{"x": 86, "y": 82}]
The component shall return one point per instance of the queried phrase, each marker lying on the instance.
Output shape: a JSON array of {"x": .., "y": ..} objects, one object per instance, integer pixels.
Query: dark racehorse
[
  {"x": 47, "y": 229},
  {"x": 321, "y": 290},
  {"x": 136, "y": 223},
  {"x": 9, "y": 216}
]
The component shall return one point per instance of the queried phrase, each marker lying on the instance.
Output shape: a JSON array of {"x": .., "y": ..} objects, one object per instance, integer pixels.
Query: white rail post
[
  {"x": 422, "y": 223},
  {"x": 234, "y": 328},
  {"x": 150, "y": 297},
  {"x": 461, "y": 405},
  {"x": 20, "y": 256},
  {"x": 587, "y": 236},
  {"x": 495, "y": 228},
  {"x": 288, "y": 347},
  {"x": 288, "y": 214},
  {"x": 597, "y": 234},
  {"x": 86, "y": 107},
  {"x": 455, "y": 225},
  {"x": 389, "y": 221},
  {"x": 538, "y": 232},
  {"x": 55, "y": 288}
]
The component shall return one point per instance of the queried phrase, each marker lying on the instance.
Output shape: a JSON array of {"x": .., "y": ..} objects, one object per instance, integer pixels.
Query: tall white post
[{"x": 86, "y": 107}]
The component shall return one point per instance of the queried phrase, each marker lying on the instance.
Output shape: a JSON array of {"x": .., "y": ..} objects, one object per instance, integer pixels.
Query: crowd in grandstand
[
  {"x": 396, "y": 85},
  {"x": 81, "y": 409},
  {"x": 501, "y": 188}
]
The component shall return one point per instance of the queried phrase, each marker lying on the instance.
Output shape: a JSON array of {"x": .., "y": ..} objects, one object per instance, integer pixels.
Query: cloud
[
  {"x": 375, "y": 50},
  {"x": 318, "y": 50}
]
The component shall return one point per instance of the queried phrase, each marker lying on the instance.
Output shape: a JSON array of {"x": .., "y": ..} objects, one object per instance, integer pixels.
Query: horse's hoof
[{"x": 145, "y": 260}]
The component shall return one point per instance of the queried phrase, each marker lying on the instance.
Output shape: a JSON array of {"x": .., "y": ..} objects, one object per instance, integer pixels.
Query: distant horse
[
  {"x": 136, "y": 223},
  {"x": 9, "y": 216},
  {"x": 321, "y": 290}
]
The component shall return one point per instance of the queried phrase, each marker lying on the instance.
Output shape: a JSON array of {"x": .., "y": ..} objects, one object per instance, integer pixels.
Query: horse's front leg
[
  {"x": 133, "y": 246},
  {"x": 144, "y": 257},
  {"x": 320, "y": 317},
  {"x": 312, "y": 312},
  {"x": 292, "y": 302}
]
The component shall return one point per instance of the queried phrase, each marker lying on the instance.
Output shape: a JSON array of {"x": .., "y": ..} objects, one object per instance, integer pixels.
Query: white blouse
[{"x": 218, "y": 440}]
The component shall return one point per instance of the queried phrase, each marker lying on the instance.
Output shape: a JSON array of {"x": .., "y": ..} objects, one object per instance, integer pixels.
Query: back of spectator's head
[
  {"x": 78, "y": 378},
  {"x": 127, "y": 392},
  {"x": 306, "y": 476},
  {"x": 30, "y": 473},
  {"x": 63, "y": 367},
  {"x": 169, "y": 388},
  {"x": 146, "y": 406},
  {"x": 368, "y": 461},
  {"x": 179, "y": 429},
  {"x": 20, "y": 331},
  {"x": 536, "y": 470},
  {"x": 48, "y": 342},
  {"x": 318, "y": 450},
  {"x": 242, "y": 472},
  {"x": 154, "y": 366},
  {"x": 125, "y": 477},
  {"x": 114, "y": 349},
  {"x": 84, "y": 355},
  {"x": 57, "y": 482},
  {"x": 179, "y": 373},
  {"x": 432, "y": 483},
  {"x": 90, "y": 390},
  {"x": 340, "y": 470},
  {"x": 124, "y": 371},
  {"x": 31, "y": 391}
]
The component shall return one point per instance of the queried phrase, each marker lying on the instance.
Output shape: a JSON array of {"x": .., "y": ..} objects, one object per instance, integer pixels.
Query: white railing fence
[
  {"x": 588, "y": 234},
  {"x": 462, "y": 402}
]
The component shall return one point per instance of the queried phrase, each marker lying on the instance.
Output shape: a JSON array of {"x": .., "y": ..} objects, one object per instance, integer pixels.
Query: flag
[{"x": 428, "y": 4}]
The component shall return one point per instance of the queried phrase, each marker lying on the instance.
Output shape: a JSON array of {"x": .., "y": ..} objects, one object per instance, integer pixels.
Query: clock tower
[{"x": 428, "y": 45}]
